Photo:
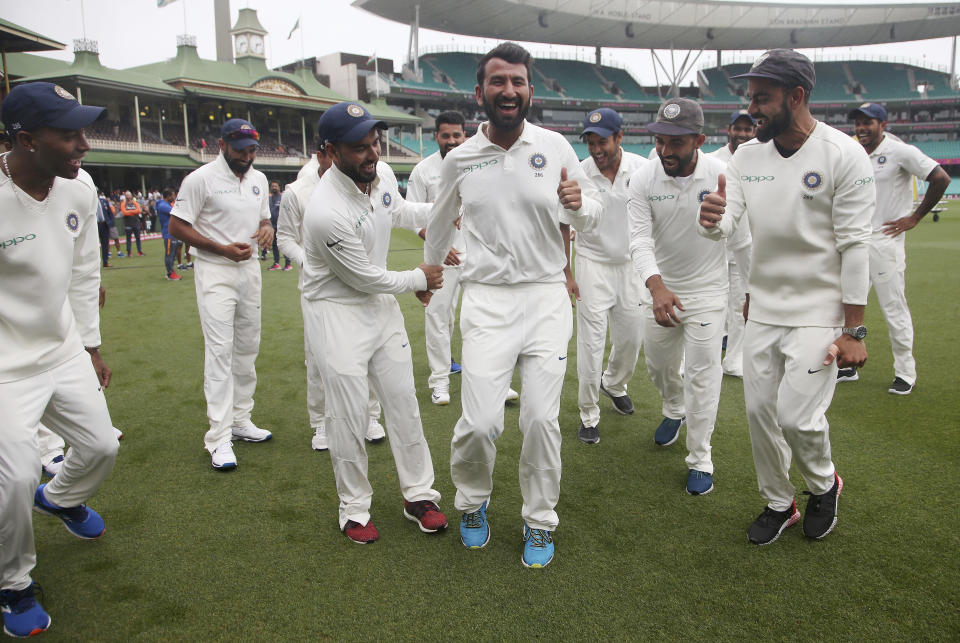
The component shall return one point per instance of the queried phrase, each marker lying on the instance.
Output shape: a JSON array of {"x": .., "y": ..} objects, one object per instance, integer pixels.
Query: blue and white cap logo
[
  {"x": 73, "y": 221},
  {"x": 386, "y": 199},
  {"x": 538, "y": 161},
  {"x": 595, "y": 117},
  {"x": 812, "y": 180},
  {"x": 355, "y": 110},
  {"x": 671, "y": 111}
]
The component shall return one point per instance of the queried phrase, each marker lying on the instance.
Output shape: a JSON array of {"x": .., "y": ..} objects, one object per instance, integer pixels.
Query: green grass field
[{"x": 192, "y": 554}]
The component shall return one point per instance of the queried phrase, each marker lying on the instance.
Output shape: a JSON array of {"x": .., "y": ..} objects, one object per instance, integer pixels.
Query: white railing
[
  {"x": 736, "y": 58},
  {"x": 133, "y": 146}
]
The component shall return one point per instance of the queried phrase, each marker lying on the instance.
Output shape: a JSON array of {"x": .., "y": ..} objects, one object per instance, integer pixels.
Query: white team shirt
[
  {"x": 346, "y": 237},
  {"x": 722, "y": 154},
  {"x": 424, "y": 186},
  {"x": 290, "y": 222},
  {"x": 50, "y": 271},
  {"x": 664, "y": 216},
  {"x": 895, "y": 163},
  {"x": 609, "y": 242},
  {"x": 809, "y": 216},
  {"x": 511, "y": 214},
  {"x": 222, "y": 207}
]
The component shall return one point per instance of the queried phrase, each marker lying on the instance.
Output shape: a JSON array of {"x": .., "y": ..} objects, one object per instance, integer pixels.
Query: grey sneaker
[
  {"x": 820, "y": 517},
  {"x": 588, "y": 434},
  {"x": 622, "y": 404},
  {"x": 900, "y": 387}
]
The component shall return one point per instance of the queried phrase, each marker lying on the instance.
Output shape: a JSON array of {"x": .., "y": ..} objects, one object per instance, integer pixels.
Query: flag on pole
[
  {"x": 372, "y": 58},
  {"x": 164, "y": 3},
  {"x": 296, "y": 26}
]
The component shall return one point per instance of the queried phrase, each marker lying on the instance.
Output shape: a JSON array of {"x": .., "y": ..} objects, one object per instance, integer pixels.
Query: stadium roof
[{"x": 701, "y": 24}]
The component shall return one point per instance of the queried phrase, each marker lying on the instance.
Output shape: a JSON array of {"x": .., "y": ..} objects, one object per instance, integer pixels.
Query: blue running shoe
[
  {"x": 474, "y": 528},
  {"x": 454, "y": 367},
  {"x": 23, "y": 616},
  {"x": 699, "y": 483},
  {"x": 668, "y": 431},
  {"x": 537, "y": 547},
  {"x": 81, "y": 521}
]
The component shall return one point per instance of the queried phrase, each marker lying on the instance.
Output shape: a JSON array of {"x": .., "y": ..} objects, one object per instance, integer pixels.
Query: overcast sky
[{"x": 133, "y": 32}]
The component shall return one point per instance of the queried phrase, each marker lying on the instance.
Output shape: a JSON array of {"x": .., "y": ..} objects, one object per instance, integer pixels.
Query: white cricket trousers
[
  {"x": 439, "y": 318},
  {"x": 524, "y": 325},
  {"x": 315, "y": 396},
  {"x": 787, "y": 391},
  {"x": 68, "y": 399},
  {"x": 733, "y": 356},
  {"x": 608, "y": 292},
  {"x": 888, "y": 265},
  {"x": 696, "y": 395},
  {"x": 228, "y": 298},
  {"x": 362, "y": 345}
]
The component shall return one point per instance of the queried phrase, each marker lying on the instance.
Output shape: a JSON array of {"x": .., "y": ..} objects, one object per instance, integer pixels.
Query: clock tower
[{"x": 248, "y": 35}]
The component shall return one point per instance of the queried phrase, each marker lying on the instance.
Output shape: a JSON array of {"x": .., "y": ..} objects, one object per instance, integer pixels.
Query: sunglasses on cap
[{"x": 241, "y": 134}]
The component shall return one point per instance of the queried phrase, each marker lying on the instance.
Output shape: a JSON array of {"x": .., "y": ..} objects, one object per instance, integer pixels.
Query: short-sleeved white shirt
[
  {"x": 895, "y": 163},
  {"x": 609, "y": 242},
  {"x": 222, "y": 207}
]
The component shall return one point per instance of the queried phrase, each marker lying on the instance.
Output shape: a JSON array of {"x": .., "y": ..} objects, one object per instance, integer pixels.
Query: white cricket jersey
[
  {"x": 50, "y": 271},
  {"x": 424, "y": 186},
  {"x": 312, "y": 166},
  {"x": 290, "y": 222},
  {"x": 664, "y": 214},
  {"x": 809, "y": 215},
  {"x": 722, "y": 154},
  {"x": 511, "y": 219},
  {"x": 346, "y": 237},
  {"x": 895, "y": 163},
  {"x": 609, "y": 242},
  {"x": 222, "y": 207}
]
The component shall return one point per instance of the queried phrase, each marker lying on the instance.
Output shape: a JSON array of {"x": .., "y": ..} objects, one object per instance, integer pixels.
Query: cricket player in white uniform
[
  {"x": 354, "y": 321},
  {"x": 807, "y": 192},
  {"x": 221, "y": 210},
  {"x": 686, "y": 275},
  {"x": 742, "y": 128},
  {"x": 610, "y": 289},
  {"x": 509, "y": 179},
  {"x": 50, "y": 364},
  {"x": 290, "y": 241},
  {"x": 895, "y": 164}
]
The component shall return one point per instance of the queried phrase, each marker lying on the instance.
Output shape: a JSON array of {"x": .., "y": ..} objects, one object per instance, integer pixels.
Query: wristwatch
[{"x": 857, "y": 332}]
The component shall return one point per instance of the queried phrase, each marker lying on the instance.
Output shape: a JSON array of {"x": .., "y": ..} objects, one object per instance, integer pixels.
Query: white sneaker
[
  {"x": 223, "y": 458},
  {"x": 118, "y": 433},
  {"x": 250, "y": 432},
  {"x": 441, "y": 395},
  {"x": 512, "y": 395},
  {"x": 375, "y": 432},
  {"x": 319, "y": 441},
  {"x": 52, "y": 467}
]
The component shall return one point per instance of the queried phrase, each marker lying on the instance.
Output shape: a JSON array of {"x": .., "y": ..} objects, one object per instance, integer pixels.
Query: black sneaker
[
  {"x": 900, "y": 387},
  {"x": 848, "y": 374},
  {"x": 622, "y": 404},
  {"x": 820, "y": 516},
  {"x": 588, "y": 434},
  {"x": 770, "y": 524}
]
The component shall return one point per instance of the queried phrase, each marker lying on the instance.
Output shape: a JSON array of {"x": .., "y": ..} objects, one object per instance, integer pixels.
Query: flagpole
[
  {"x": 376, "y": 73},
  {"x": 184, "y": 4},
  {"x": 303, "y": 56}
]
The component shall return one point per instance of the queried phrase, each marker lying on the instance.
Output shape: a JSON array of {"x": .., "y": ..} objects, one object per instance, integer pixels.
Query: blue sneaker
[
  {"x": 454, "y": 367},
  {"x": 81, "y": 521},
  {"x": 668, "y": 431},
  {"x": 23, "y": 616},
  {"x": 537, "y": 547},
  {"x": 699, "y": 483},
  {"x": 120, "y": 254},
  {"x": 474, "y": 528}
]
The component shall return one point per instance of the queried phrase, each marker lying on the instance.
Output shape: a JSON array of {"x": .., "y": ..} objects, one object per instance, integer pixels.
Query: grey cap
[
  {"x": 678, "y": 116},
  {"x": 785, "y": 66}
]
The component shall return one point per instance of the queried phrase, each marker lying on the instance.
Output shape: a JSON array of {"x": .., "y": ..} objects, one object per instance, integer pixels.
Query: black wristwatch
[{"x": 857, "y": 332}]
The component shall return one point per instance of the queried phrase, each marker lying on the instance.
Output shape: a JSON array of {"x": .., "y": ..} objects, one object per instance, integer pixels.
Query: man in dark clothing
[{"x": 274, "y": 215}]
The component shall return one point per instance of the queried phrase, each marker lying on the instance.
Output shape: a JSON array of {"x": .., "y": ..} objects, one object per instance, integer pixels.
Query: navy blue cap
[
  {"x": 346, "y": 123},
  {"x": 870, "y": 110},
  {"x": 603, "y": 122},
  {"x": 240, "y": 134},
  {"x": 742, "y": 113},
  {"x": 785, "y": 66},
  {"x": 32, "y": 105},
  {"x": 678, "y": 117}
]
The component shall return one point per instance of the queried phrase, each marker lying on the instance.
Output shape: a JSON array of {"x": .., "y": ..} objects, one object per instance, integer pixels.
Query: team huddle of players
[{"x": 772, "y": 241}]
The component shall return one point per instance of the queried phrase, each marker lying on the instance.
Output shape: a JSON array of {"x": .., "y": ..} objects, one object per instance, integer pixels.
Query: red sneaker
[
  {"x": 426, "y": 514},
  {"x": 140, "y": 254},
  {"x": 275, "y": 266},
  {"x": 361, "y": 534},
  {"x": 173, "y": 276}
]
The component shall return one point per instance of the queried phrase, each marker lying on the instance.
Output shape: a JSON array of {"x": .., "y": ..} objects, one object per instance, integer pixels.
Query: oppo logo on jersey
[
  {"x": 478, "y": 166},
  {"x": 660, "y": 197},
  {"x": 17, "y": 240},
  {"x": 757, "y": 179},
  {"x": 864, "y": 181}
]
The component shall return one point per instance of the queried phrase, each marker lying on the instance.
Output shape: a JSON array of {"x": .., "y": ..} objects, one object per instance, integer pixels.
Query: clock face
[
  {"x": 256, "y": 44},
  {"x": 242, "y": 44}
]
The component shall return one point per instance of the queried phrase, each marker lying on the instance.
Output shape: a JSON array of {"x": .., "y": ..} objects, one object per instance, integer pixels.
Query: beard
[
  {"x": 237, "y": 166},
  {"x": 506, "y": 123},
  {"x": 774, "y": 127},
  {"x": 357, "y": 174},
  {"x": 683, "y": 164}
]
